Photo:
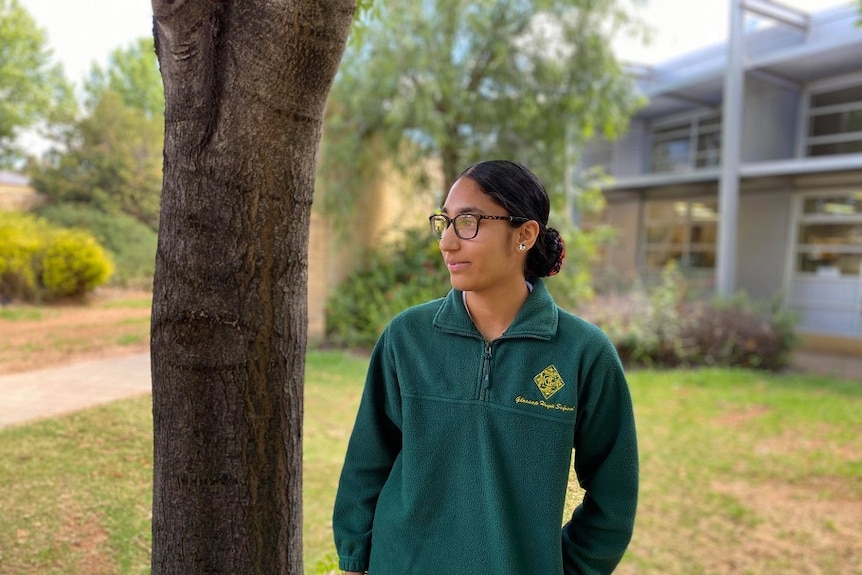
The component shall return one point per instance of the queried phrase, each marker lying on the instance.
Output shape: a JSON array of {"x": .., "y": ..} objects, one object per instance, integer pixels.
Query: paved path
[{"x": 50, "y": 392}]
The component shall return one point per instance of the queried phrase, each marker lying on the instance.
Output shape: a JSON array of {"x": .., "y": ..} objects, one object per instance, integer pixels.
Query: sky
[
  {"x": 680, "y": 26},
  {"x": 82, "y": 32}
]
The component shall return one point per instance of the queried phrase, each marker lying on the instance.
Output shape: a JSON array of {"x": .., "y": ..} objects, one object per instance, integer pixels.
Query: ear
[{"x": 528, "y": 233}]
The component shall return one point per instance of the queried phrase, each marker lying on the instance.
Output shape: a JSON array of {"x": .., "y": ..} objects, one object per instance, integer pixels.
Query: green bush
[
  {"x": 132, "y": 244},
  {"x": 574, "y": 284},
  {"x": 410, "y": 271},
  {"x": 663, "y": 328},
  {"x": 739, "y": 332},
  {"x": 402, "y": 274},
  {"x": 39, "y": 261},
  {"x": 73, "y": 263}
]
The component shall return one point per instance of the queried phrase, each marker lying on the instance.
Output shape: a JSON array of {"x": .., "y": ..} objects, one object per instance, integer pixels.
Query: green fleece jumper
[{"x": 460, "y": 455}]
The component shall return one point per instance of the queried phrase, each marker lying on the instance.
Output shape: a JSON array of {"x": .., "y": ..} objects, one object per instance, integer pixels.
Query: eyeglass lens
[{"x": 466, "y": 225}]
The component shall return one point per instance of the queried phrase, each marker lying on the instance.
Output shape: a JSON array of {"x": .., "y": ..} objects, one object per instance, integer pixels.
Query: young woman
[{"x": 460, "y": 456}]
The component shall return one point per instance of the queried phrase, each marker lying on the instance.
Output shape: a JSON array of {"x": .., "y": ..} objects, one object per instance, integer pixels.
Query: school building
[{"x": 745, "y": 167}]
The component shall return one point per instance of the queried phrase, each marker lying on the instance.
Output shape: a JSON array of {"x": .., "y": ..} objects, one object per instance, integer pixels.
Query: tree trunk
[{"x": 245, "y": 86}]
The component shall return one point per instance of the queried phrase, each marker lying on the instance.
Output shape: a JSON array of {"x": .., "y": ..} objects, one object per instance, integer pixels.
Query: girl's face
[{"x": 492, "y": 259}]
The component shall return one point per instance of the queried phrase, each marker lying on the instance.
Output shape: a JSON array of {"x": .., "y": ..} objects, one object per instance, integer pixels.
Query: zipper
[{"x": 486, "y": 371}]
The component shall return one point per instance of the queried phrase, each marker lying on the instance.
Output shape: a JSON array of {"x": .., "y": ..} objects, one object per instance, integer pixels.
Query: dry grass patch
[
  {"x": 110, "y": 323},
  {"x": 812, "y": 525},
  {"x": 747, "y": 473}
]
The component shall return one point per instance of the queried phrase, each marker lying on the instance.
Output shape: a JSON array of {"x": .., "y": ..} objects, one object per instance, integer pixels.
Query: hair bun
[{"x": 556, "y": 251}]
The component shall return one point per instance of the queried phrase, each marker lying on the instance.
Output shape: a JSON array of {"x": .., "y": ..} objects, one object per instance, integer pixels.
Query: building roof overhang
[
  {"x": 777, "y": 168},
  {"x": 832, "y": 47}
]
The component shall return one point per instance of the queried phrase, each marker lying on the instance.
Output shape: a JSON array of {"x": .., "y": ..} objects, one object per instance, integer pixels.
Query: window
[
  {"x": 683, "y": 231},
  {"x": 830, "y": 235},
  {"x": 686, "y": 145},
  {"x": 708, "y": 142},
  {"x": 835, "y": 122},
  {"x": 671, "y": 149}
]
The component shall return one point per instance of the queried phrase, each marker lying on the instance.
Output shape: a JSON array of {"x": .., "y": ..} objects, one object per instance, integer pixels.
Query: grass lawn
[{"x": 742, "y": 472}]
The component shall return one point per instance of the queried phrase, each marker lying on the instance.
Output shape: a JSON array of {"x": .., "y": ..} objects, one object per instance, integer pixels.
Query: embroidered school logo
[{"x": 549, "y": 381}]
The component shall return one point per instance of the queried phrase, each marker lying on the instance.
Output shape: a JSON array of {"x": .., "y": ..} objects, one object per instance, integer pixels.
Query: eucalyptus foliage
[
  {"x": 110, "y": 160},
  {"x": 458, "y": 81},
  {"x": 133, "y": 73},
  {"x": 33, "y": 88}
]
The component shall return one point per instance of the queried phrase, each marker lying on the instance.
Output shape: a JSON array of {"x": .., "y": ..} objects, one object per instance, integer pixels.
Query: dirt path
[{"x": 112, "y": 323}]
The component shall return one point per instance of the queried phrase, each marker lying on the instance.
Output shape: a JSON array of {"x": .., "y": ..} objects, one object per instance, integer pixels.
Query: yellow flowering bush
[
  {"x": 73, "y": 263},
  {"x": 39, "y": 261}
]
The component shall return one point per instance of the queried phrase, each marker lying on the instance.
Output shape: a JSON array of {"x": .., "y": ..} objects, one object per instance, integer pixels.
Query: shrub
[
  {"x": 404, "y": 273},
  {"x": 410, "y": 271},
  {"x": 132, "y": 244},
  {"x": 38, "y": 261},
  {"x": 21, "y": 239},
  {"x": 662, "y": 328},
  {"x": 739, "y": 332},
  {"x": 574, "y": 284},
  {"x": 73, "y": 263}
]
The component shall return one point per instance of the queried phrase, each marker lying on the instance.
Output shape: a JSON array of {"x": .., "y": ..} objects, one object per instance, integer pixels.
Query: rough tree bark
[{"x": 245, "y": 87}]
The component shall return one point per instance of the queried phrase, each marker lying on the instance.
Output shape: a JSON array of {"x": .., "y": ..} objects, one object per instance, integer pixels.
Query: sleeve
[
  {"x": 371, "y": 452},
  {"x": 606, "y": 463}
]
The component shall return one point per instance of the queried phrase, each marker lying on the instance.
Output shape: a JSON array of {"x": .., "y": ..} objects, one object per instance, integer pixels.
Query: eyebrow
[{"x": 465, "y": 210}]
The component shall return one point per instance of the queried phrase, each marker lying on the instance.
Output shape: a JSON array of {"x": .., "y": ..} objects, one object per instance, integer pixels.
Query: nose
[{"x": 449, "y": 240}]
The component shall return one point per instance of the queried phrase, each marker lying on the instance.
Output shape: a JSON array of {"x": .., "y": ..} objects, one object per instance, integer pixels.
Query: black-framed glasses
[{"x": 466, "y": 225}]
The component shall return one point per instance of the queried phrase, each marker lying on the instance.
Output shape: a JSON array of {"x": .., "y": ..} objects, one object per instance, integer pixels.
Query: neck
[{"x": 493, "y": 313}]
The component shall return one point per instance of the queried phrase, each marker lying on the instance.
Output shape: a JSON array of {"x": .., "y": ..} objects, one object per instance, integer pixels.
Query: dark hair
[{"x": 520, "y": 192}]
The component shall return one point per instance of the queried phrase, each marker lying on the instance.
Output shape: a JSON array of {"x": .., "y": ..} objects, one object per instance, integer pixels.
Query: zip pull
[{"x": 486, "y": 366}]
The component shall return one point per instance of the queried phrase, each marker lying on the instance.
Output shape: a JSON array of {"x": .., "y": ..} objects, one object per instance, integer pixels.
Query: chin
[
  {"x": 463, "y": 284},
  {"x": 459, "y": 283}
]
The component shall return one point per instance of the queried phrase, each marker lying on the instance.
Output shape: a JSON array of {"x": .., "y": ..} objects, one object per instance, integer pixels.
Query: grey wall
[
  {"x": 763, "y": 242},
  {"x": 769, "y": 121}
]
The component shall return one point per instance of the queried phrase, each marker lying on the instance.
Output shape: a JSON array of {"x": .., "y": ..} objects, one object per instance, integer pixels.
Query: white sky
[
  {"x": 85, "y": 31},
  {"x": 81, "y": 32},
  {"x": 679, "y": 26}
]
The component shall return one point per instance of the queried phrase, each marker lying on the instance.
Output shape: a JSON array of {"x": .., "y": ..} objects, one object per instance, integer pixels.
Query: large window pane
[
  {"x": 704, "y": 233},
  {"x": 708, "y": 150},
  {"x": 704, "y": 259},
  {"x": 683, "y": 231},
  {"x": 666, "y": 211},
  {"x": 830, "y": 234},
  {"x": 830, "y": 264},
  {"x": 671, "y": 156},
  {"x": 835, "y": 122},
  {"x": 666, "y": 234},
  {"x": 658, "y": 258},
  {"x": 838, "y": 205},
  {"x": 706, "y": 211},
  {"x": 837, "y": 148},
  {"x": 835, "y": 97},
  {"x": 682, "y": 147}
]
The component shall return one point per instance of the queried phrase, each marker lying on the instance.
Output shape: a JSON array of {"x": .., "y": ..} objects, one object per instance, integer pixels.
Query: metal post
[{"x": 731, "y": 144}]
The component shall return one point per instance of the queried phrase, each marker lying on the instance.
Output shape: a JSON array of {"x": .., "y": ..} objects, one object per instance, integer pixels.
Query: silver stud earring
[{"x": 522, "y": 247}]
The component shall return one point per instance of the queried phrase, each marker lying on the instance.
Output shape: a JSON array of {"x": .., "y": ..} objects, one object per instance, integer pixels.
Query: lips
[{"x": 456, "y": 266}]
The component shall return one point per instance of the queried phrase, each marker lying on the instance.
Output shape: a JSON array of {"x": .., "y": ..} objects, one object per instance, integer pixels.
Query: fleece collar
[{"x": 536, "y": 319}]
